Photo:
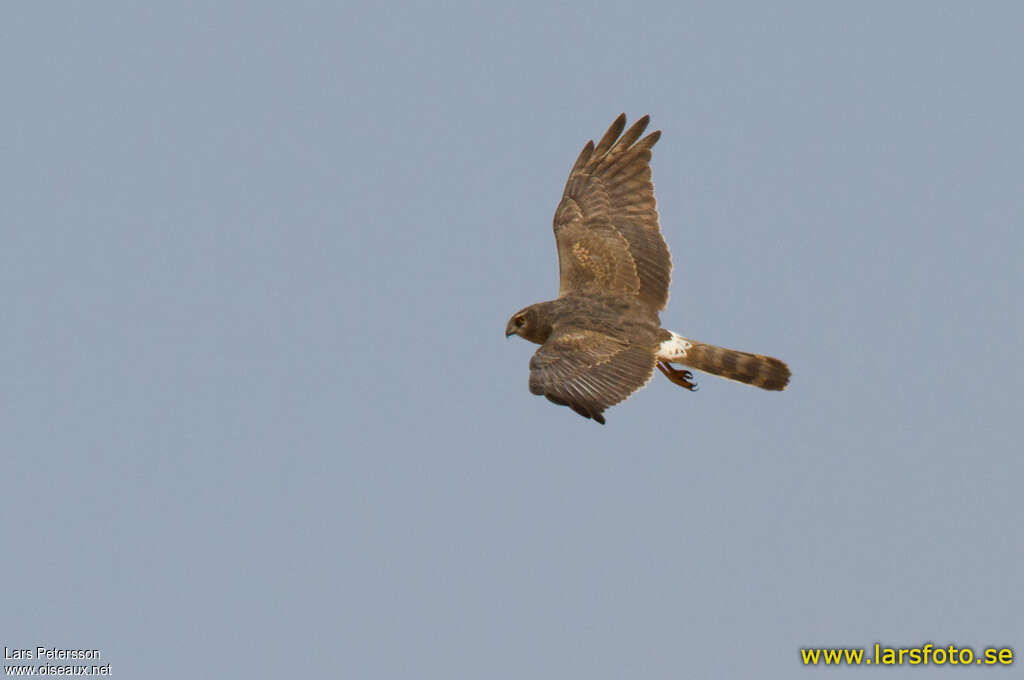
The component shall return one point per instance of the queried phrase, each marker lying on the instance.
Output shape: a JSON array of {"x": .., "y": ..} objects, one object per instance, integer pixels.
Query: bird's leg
[{"x": 679, "y": 377}]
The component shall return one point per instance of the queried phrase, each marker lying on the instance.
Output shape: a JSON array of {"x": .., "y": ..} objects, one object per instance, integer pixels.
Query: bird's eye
[{"x": 520, "y": 320}]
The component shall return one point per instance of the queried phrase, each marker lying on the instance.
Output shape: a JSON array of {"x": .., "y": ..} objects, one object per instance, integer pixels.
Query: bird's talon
[{"x": 678, "y": 376}]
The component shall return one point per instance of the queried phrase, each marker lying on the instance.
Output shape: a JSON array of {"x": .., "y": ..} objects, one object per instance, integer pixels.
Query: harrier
[{"x": 601, "y": 339}]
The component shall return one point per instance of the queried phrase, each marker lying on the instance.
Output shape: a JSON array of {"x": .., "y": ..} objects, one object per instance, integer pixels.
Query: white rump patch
[{"x": 674, "y": 349}]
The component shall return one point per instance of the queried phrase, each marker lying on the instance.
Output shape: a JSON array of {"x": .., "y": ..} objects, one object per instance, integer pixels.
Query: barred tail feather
[{"x": 752, "y": 369}]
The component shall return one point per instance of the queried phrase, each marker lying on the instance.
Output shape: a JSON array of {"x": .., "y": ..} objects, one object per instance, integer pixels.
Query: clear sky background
[{"x": 259, "y": 417}]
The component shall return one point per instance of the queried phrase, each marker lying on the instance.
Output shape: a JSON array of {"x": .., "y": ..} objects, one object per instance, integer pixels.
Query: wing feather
[
  {"x": 589, "y": 371},
  {"x": 616, "y": 128},
  {"x": 606, "y": 226}
]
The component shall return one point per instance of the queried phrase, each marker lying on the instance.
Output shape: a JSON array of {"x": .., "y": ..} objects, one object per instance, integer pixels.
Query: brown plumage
[
  {"x": 752, "y": 369},
  {"x": 601, "y": 338}
]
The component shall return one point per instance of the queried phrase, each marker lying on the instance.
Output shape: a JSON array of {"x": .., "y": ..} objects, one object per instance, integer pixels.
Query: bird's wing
[
  {"x": 606, "y": 225},
  {"x": 589, "y": 371}
]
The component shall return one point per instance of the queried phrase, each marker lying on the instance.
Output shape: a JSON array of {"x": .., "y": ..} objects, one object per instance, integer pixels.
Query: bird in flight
[{"x": 601, "y": 339}]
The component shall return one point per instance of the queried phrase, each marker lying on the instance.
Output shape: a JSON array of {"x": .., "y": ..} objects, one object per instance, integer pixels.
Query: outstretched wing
[
  {"x": 589, "y": 371},
  {"x": 606, "y": 225}
]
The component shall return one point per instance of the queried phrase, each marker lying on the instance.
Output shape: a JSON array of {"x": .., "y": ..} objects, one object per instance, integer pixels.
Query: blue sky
[{"x": 260, "y": 417}]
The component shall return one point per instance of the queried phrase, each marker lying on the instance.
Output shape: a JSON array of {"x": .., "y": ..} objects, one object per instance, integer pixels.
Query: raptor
[{"x": 601, "y": 338}]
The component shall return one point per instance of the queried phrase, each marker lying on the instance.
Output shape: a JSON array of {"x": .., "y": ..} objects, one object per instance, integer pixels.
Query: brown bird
[{"x": 601, "y": 338}]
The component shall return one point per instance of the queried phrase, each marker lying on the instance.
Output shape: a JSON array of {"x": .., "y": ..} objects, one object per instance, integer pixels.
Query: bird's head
[{"x": 530, "y": 324}]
